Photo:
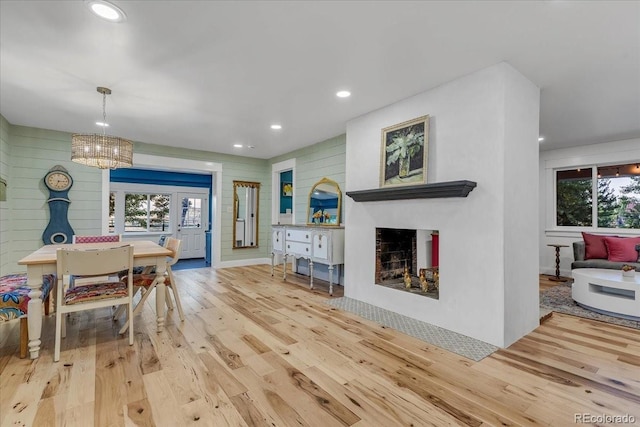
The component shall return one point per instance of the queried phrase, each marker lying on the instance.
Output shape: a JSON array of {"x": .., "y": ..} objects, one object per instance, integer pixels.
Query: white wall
[
  {"x": 615, "y": 152},
  {"x": 479, "y": 124},
  {"x": 521, "y": 159}
]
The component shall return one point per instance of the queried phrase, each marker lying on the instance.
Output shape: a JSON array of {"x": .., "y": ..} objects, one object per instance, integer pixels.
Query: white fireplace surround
[{"x": 483, "y": 128}]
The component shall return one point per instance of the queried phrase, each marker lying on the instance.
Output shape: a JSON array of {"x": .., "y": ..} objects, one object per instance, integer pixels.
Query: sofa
[{"x": 612, "y": 252}]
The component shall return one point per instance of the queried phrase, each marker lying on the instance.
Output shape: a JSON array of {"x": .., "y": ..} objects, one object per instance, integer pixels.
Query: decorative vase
[{"x": 403, "y": 164}]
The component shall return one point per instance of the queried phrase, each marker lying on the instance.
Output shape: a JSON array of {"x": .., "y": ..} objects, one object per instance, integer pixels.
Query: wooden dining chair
[
  {"x": 105, "y": 238},
  {"x": 145, "y": 283},
  {"x": 98, "y": 263}
]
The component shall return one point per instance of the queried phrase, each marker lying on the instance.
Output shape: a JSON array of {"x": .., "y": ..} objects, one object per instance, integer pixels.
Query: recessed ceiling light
[
  {"x": 106, "y": 10},
  {"x": 540, "y": 138},
  {"x": 343, "y": 94},
  {"x": 105, "y": 125},
  {"x": 237, "y": 145},
  {"x": 276, "y": 127},
  {"x": 251, "y": 146}
]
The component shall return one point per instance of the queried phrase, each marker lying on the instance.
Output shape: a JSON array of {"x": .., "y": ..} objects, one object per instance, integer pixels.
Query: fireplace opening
[{"x": 407, "y": 260}]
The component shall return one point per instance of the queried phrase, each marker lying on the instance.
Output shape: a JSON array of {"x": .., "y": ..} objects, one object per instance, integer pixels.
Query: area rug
[
  {"x": 559, "y": 299},
  {"x": 462, "y": 345}
]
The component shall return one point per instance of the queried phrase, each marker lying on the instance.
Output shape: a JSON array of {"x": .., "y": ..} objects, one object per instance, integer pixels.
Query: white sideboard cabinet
[{"x": 322, "y": 245}]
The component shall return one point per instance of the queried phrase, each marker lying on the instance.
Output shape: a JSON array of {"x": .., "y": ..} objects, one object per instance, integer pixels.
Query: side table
[{"x": 557, "y": 277}]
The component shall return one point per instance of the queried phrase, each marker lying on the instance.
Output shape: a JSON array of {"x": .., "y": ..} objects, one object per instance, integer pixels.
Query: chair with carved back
[
  {"x": 146, "y": 282},
  {"x": 96, "y": 263}
]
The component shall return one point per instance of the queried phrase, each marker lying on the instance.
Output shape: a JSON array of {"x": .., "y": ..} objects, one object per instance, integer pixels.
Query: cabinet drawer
[
  {"x": 297, "y": 248},
  {"x": 299, "y": 236}
]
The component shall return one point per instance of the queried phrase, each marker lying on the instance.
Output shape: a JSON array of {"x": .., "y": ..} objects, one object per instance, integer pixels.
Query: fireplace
[{"x": 404, "y": 260}]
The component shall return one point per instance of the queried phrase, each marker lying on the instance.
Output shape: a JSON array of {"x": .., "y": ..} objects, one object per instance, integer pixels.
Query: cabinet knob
[
  {"x": 306, "y": 236},
  {"x": 306, "y": 249},
  {"x": 319, "y": 245},
  {"x": 288, "y": 246},
  {"x": 288, "y": 234}
]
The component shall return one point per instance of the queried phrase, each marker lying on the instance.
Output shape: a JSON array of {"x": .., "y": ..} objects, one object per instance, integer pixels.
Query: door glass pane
[{"x": 191, "y": 212}]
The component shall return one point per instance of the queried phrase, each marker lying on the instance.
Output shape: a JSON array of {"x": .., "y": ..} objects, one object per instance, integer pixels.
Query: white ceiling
[{"x": 208, "y": 74}]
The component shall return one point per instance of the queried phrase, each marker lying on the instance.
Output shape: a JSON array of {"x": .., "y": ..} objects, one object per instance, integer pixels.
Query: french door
[{"x": 193, "y": 221}]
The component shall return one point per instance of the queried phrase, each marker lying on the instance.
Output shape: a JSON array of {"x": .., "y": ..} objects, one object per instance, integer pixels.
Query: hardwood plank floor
[{"x": 256, "y": 351}]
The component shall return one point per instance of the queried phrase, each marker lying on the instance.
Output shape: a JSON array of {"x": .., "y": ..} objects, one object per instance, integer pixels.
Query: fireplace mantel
[{"x": 424, "y": 191}]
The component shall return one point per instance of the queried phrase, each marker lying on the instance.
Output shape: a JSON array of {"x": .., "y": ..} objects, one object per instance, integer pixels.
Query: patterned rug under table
[{"x": 457, "y": 343}]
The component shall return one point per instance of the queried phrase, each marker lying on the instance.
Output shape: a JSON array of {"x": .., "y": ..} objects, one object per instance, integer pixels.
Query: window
[
  {"x": 142, "y": 212},
  {"x": 574, "y": 197},
  {"x": 616, "y": 189}
]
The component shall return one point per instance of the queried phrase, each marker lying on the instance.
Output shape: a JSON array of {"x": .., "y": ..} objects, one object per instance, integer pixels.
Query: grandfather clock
[{"x": 58, "y": 181}]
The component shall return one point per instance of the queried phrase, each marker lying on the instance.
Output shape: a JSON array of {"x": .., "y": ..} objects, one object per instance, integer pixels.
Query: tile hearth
[{"x": 457, "y": 343}]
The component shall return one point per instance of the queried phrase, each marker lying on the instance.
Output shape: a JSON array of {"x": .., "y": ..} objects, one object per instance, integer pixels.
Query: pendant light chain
[{"x": 104, "y": 113}]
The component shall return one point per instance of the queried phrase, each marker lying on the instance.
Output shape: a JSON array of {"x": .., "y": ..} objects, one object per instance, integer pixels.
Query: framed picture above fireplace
[{"x": 404, "y": 153}]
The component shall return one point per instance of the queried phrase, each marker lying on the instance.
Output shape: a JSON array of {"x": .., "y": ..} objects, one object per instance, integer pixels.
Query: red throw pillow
[
  {"x": 622, "y": 249},
  {"x": 594, "y": 246}
]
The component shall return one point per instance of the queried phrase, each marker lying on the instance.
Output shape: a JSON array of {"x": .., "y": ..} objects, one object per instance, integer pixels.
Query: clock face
[{"x": 58, "y": 181}]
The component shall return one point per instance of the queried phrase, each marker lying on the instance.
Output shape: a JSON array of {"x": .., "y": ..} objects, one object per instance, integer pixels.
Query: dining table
[{"x": 43, "y": 261}]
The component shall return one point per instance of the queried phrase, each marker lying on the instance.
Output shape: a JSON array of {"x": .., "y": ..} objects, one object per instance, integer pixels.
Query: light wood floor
[{"x": 259, "y": 352}]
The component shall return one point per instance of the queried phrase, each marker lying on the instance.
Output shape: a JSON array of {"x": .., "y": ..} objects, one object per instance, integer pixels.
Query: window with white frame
[
  {"x": 139, "y": 212},
  {"x": 600, "y": 196}
]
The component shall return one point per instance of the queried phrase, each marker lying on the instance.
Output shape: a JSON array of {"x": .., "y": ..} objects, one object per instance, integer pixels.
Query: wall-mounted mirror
[
  {"x": 245, "y": 214},
  {"x": 325, "y": 203}
]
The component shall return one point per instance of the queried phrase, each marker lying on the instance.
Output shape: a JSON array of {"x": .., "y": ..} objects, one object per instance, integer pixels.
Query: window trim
[{"x": 553, "y": 229}]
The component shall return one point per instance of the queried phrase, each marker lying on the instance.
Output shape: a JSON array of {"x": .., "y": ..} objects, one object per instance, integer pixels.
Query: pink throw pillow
[
  {"x": 595, "y": 247},
  {"x": 622, "y": 249}
]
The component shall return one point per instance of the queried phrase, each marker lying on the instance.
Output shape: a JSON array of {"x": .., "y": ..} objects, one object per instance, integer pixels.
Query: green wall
[
  {"x": 26, "y": 154},
  {"x": 5, "y": 231},
  {"x": 324, "y": 159}
]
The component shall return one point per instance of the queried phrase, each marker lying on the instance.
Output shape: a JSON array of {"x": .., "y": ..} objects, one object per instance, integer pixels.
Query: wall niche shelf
[{"x": 424, "y": 191}]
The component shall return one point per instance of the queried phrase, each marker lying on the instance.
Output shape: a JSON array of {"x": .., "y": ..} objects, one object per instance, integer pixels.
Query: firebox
[{"x": 404, "y": 260}]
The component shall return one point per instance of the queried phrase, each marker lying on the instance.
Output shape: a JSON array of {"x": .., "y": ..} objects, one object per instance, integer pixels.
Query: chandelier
[{"x": 101, "y": 150}]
